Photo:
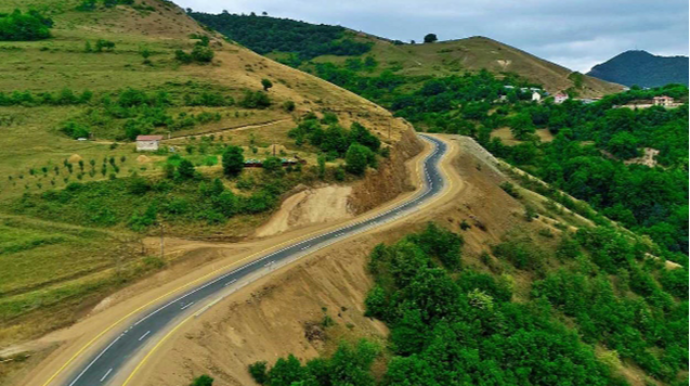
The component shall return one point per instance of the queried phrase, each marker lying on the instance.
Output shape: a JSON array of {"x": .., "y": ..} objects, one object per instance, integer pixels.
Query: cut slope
[{"x": 643, "y": 69}]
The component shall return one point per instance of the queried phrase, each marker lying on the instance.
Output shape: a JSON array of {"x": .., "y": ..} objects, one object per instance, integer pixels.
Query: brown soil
[
  {"x": 142, "y": 159},
  {"x": 308, "y": 207},
  {"x": 505, "y": 135}
]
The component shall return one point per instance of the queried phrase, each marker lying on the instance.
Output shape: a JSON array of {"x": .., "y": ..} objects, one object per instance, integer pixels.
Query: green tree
[
  {"x": 357, "y": 159},
  {"x": 430, "y": 38},
  {"x": 266, "y": 84},
  {"x": 186, "y": 170},
  {"x": 233, "y": 161}
]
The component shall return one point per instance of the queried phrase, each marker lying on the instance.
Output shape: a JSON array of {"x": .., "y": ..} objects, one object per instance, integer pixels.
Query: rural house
[
  {"x": 560, "y": 98},
  {"x": 536, "y": 97},
  {"x": 148, "y": 142},
  {"x": 663, "y": 100}
]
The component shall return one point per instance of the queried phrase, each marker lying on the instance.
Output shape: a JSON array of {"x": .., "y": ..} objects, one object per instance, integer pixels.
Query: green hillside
[
  {"x": 296, "y": 43},
  {"x": 79, "y": 81}
]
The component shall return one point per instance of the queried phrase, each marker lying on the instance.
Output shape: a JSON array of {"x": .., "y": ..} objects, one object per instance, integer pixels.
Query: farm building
[{"x": 148, "y": 142}]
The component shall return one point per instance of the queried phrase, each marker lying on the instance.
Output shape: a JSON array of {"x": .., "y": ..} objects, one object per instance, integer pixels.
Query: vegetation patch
[
  {"x": 18, "y": 26},
  {"x": 451, "y": 326}
]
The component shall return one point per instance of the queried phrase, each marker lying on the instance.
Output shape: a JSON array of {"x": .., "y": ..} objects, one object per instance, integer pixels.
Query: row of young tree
[
  {"x": 18, "y": 26},
  {"x": 132, "y": 112},
  {"x": 454, "y": 325}
]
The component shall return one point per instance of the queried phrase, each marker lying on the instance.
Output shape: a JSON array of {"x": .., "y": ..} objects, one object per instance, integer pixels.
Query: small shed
[
  {"x": 536, "y": 97},
  {"x": 148, "y": 142}
]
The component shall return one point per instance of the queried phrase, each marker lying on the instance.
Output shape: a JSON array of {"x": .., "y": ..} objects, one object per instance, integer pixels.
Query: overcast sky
[{"x": 575, "y": 33}]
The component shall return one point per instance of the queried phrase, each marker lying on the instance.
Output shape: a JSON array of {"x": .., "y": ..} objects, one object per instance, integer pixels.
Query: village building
[
  {"x": 663, "y": 100},
  {"x": 560, "y": 98},
  {"x": 148, "y": 142},
  {"x": 536, "y": 97}
]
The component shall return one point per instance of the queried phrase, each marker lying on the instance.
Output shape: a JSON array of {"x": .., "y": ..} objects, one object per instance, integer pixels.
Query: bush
[
  {"x": 258, "y": 372},
  {"x": 289, "y": 106},
  {"x": 203, "y": 380},
  {"x": 75, "y": 130},
  {"x": 509, "y": 188},
  {"x": 255, "y": 100}
]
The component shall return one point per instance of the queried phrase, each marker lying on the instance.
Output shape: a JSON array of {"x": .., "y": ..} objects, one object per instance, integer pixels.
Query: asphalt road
[{"x": 106, "y": 363}]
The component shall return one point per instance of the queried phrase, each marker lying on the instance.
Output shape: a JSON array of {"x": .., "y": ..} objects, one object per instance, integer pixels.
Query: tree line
[
  {"x": 265, "y": 34},
  {"x": 18, "y": 26}
]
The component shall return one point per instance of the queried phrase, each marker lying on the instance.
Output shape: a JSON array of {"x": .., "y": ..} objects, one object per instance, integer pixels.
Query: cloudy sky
[{"x": 573, "y": 33}]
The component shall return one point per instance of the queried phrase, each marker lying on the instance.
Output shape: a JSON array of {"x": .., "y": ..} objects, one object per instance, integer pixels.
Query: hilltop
[
  {"x": 640, "y": 68},
  {"x": 296, "y": 43}
]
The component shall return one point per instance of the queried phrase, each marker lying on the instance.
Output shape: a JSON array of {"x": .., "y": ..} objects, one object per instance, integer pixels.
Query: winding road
[{"x": 122, "y": 355}]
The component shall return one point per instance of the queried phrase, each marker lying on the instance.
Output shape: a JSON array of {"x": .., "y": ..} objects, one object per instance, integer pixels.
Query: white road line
[
  {"x": 230, "y": 282},
  {"x": 145, "y": 335},
  {"x": 94, "y": 361},
  {"x": 106, "y": 375},
  {"x": 187, "y": 306}
]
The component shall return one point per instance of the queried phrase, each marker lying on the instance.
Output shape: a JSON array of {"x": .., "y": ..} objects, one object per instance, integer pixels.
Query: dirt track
[{"x": 175, "y": 280}]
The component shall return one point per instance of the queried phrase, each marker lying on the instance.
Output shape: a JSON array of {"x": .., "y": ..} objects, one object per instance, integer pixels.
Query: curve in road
[{"x": 104, "y": 365}]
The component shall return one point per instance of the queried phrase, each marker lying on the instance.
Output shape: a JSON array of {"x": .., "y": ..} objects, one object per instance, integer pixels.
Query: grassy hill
[
  {"x": 106, "y": 71},
  {"x": 643, "y": 69},
  {"x": 439, "y": 59}
]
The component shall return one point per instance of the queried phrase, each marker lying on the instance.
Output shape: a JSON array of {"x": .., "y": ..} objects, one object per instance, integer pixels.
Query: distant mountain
[{"x": 643, "y": 69}]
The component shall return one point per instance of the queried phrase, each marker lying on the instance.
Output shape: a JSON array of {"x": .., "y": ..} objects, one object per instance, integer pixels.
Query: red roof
[{"x": 149, "y": 137}]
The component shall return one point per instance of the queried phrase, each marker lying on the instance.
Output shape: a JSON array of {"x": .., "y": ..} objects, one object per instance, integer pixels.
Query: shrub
[
  {"x": 255, "y": 100},
  {"x": 289, "y": 106},
  {"x": 258, "y": 371},
  {"x": 75, "y": 130},
  {"x": 509, "y": 188}
]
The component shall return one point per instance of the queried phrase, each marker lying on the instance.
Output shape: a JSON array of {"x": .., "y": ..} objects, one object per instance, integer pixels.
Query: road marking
[
  {"x": 106, "y": 374},
  {"x": 94, "y": 361},
  {"x": 187, "y": 306},
  {"x": 145, "y": 335},
  {"x": 230, "y": 282}
]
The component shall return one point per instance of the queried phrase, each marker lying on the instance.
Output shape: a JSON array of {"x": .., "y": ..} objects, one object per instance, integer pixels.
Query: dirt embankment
[
  {"x": 390, "y": 179},
  {"x": 336, "y": 203}
]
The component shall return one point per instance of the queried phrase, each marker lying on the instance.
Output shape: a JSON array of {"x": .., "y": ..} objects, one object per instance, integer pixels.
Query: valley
[{"x": 226, "y": 199}]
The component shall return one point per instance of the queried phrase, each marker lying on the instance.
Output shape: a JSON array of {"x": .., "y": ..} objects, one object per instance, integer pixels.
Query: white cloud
[{"x": 573, "y": 33}]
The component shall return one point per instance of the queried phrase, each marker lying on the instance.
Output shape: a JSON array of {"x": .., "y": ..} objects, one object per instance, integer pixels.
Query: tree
[
  {"x": 266, "y": 83},
  {"x": 233, "y": 161},
  {"x": 186, "y": 169},
  {"x": 102, "y": 44},
  {"x": 430, "y": 38},
  {"x": 357, "y": 159}
]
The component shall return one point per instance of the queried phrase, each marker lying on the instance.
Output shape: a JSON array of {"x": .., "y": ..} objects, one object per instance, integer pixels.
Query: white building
[
  {"x": 148, "y": 142},
  {"x": 536, "y": 97}
]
